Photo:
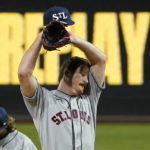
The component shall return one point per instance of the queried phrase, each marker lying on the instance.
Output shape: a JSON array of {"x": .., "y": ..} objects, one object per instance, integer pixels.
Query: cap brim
[{"x": 71, "y": 23}]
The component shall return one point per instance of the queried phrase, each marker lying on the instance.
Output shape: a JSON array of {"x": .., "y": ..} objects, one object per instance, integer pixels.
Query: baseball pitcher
[{"x": 65, "y": 118}]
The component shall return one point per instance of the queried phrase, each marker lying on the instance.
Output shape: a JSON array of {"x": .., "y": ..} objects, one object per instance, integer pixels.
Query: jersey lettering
[
  {"x": 88, "y": 120},
  {"x": 60, "y": 117},
  {"x": 75, "y": 113},
  {"x": 83, "y": 115},
  {"x": 67, "y": 115},
  {"x": 56, "y": 120}
]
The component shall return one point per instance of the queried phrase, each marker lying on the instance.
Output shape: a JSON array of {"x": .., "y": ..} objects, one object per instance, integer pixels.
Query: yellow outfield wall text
[{"x": 18, "y": 31}]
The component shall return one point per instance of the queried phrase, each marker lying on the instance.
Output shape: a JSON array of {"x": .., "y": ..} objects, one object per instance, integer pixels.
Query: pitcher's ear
[{"x": 67, "y": 73}]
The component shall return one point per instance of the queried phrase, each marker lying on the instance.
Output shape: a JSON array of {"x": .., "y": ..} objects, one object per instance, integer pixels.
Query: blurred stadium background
[{"x": 120, "y": 29}]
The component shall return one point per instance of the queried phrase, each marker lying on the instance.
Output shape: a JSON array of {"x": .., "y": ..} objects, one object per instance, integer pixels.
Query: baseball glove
[{"x": 54, "y": 36}]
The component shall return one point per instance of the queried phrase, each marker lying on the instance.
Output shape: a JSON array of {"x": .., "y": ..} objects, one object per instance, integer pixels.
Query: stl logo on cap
[{"x": 57, "y": 13}]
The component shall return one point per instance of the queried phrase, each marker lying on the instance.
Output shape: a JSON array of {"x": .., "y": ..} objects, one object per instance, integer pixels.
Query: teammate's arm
[
  {"x": 96, "y": 57},
  {"x": 28, "y": 82}
]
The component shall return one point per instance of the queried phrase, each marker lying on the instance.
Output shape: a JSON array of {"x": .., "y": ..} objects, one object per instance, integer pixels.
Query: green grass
[
  {"x": 123, "y": 137},
  {"x": 108, "y": 136}
]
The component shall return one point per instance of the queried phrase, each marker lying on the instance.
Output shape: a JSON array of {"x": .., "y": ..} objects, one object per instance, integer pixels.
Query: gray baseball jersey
[
  {"x": 65, "y": 122},
  {"x": 16, "y": 141}
]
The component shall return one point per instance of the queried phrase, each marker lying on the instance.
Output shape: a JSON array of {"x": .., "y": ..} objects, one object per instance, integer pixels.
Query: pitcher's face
[{"x": 80, "y": 79}]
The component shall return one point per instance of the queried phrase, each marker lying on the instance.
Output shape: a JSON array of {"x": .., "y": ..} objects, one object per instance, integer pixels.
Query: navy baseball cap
[
  {"x": 57, "y": 13},
  {"x": 3, "y": 117}
]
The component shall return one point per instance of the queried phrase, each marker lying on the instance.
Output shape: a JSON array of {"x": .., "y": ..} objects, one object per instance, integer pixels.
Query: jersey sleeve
[
  {"x": 36, "y": 103},
  {"x": 94, "y": 90}
]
